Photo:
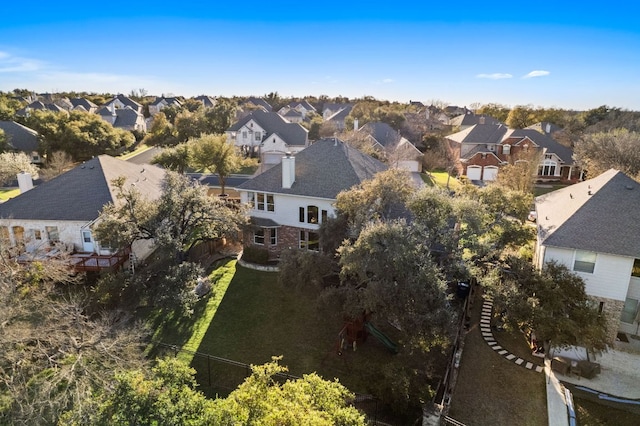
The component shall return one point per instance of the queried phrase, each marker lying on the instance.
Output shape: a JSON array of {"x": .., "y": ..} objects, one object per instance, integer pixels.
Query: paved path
[
  {"x": 556, "y": 404},
  {"x": 487, "y": 334}
]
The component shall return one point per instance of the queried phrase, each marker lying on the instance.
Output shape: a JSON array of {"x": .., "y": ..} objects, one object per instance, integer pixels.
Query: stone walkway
[{"x": 487, "y": 335}]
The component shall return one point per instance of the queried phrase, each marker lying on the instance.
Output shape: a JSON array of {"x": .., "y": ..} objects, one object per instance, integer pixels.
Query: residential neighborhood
[{"x": 340, "y": 236}]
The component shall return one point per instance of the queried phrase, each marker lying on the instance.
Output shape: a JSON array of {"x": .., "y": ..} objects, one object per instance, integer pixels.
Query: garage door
[
  {"x": 474, "y": 172},
  {"x": 490, "y": 173}
]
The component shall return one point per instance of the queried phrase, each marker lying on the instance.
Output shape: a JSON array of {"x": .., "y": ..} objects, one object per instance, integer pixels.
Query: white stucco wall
[
  {"x": 610, "y": 277},
  {"x": 287, "y": 209}
]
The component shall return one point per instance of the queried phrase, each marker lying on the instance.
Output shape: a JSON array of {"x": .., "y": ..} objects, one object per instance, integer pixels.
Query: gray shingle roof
[
  {"x": 85, "y": 103},
  {"x": 545, "y": 141},
  {"x": 80, "y": 193},
  {"x": 20, "y": 137},
  {"x": 322, "y": 170},
  {"x": 259, "y": 102},
  {"x": 471, "y": 119},
  {"x": 306, "y": 105},
  {"x": 384, "y": 134},
  {"x": 126, "y": 117},
  {"x": 607, "y": 221},
  {"x": 480, "y": 133},
  {"x": 207, "y": 101},
  {"x": 341, "y": 114},
  {"x": 272, "y": 122}
]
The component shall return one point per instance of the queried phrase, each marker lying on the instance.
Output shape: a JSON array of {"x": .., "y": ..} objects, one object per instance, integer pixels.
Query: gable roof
[
  {"x": 207, "y": 101},
  {"x": 341, "y": 114},
  {"x": 272, "y": 122},
  {"x": 384, "y": 134},
  {"x": 126, "y": 101},
  {"x": 306, "y": 105},
  {"x": 259, "y": 102},
  {"x": 480, "y": 133},
  {"x": 80, "y": 193},
  {"x": 471, "y": 119},
  {"x": 543, "y": 140},
  {"x": 322, "y": 170},
  {"x": 20, "y": 137},
  {"x": 85, "y": 103},
  {"x": 545, "y": 127},
  {"x": 599, "y": 214},
  {"x": 126, "y": 117}
]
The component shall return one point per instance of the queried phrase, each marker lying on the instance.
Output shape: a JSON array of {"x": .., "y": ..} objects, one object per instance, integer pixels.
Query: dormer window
[{"x": 506, "y": 149}]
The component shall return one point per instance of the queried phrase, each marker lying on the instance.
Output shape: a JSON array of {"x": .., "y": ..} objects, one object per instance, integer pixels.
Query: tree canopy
[
  {"x": 12, "y": 163},
  {"x": 618, "y": 149},
  {"x": 167, "y": 396},
  {"x": 552, "y": 302},
  {"x": 183, "y": 216}
]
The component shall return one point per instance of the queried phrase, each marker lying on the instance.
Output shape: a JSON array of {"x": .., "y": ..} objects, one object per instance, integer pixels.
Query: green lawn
[
  {"x": 6, "y": 193},
  {"x": 542, "y": 189},
  {"x": 253, "y": 318},
  {"x": 491, "y": 390},
  {"x": 138, "y": 150},
  {"x": 440, "y": 178}
]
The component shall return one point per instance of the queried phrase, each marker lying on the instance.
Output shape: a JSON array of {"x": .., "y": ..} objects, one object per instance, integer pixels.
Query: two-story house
[
  {"x": 480, "y": 151},
  {"x": 291, "y": 200},
  {"x": 593, "y": 227},
  {"x": 125, "y": 118},
  {"x": 268, "y": 135},
  {"x": 162, "y": 102},
  {"x": 399, "y": 151}
]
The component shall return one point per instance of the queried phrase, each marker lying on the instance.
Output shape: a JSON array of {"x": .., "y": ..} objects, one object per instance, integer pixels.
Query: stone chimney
[
  {"x": 288, "y": 170},
  {"x": 25, "y": 182}
]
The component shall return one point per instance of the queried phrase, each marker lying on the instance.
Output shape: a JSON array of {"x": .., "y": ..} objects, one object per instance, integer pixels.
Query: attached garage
[
  {"x": 474, "y": 172},
  {"x": 490, "y": 173}
]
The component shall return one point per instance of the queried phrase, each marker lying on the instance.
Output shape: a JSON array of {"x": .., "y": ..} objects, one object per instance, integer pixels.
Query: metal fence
[{"x": 217, "y": 377}]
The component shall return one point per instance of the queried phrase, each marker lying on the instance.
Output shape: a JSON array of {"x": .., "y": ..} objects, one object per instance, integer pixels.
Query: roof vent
[
  {"x": 589, "y": 192},
  {"x": 629, "y": 187}
]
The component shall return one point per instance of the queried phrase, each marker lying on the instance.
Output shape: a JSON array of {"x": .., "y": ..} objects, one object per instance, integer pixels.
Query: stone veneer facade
[{"x": 612, "y": 310}]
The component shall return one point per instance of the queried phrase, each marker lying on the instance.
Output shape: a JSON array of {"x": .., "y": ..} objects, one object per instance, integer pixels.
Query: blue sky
[{"x": 460, "y": 52}]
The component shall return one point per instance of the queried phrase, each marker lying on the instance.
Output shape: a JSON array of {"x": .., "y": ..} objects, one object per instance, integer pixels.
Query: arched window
[
  {"x": 312, "y": 214},
  {"x": 547, "y": 168}
]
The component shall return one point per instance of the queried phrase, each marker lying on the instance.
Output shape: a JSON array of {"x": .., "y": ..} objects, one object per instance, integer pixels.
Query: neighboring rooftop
[
  {"x": 272, "y": 122},
  {"x": 82, "y": 192},
  {"x": 322, "y": 170},
  {"x": 599, "y": 214},
  {"x": 19, "y": 137}
]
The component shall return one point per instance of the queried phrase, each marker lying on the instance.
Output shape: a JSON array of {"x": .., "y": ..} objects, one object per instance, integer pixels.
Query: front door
[{"x": 87, "y": 241}]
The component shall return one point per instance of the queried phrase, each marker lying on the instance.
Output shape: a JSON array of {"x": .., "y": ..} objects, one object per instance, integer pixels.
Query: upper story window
[
  {"x": 258, "y": 136},
  {"x": 548, "y": 156},
  {"x": 311, "y": 214},
  {"x": 262, "y": 201},
  {"x": 585, "y": 261},
  {"x": 635, "y": 272},
  {"x": 506, "y": 149}
]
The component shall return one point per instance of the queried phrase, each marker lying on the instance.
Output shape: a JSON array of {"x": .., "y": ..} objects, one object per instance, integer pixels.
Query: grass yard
[
  {"x": 252, "y": 317},
  {"x": 542, "y": 189},
  {"x": 139, "y": 150},
  {"x": 6, "y": 193},
  {"x": 491, "y": 390},
  {"x": 440, "y": 178}
]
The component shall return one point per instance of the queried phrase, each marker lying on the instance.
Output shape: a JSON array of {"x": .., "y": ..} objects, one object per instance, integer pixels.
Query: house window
[
  {"x": 548, "y": 156},
  {"x": 324, "y": 216},
  {"x": 506, "y": 149},
  {"x": 52, "y": 233},
  {"x": 312, "y": 214},
  {"x": 585, "y": 261},
  {"x": 233, "y": 135},
  {"x": 244, "y": 135},
  {"x": 309, "y": 240},
  {"x": 629, "y": 311},
  {"x": 264, "y": 201},
  {"x": 635, "y": 272},
  {"x": 301, "y": 214},
  {"x": 258, "y": 136},
  {"x": 547, "y": 168},
  {"x": 37, "y": 234},
  {"x": 273, "y": 237},
  {"x": 258, "y": 236}
]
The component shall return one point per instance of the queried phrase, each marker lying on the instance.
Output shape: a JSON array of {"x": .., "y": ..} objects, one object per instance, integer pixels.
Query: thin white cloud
[
  {"x": 10, "y": 63},
  {"x": 388, "y": 80},
  {"x": 384, "y": 81},
  {"x": 536, "y": 73},
  {"x": 495, "y": 76}
]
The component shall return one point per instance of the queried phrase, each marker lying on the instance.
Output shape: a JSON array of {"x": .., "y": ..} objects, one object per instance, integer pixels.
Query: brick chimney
[{"x": 288, "y": 170}]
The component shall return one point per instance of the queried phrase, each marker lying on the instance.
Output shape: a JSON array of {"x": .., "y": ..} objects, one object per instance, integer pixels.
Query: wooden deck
[{"x": 81, "y": 262}]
